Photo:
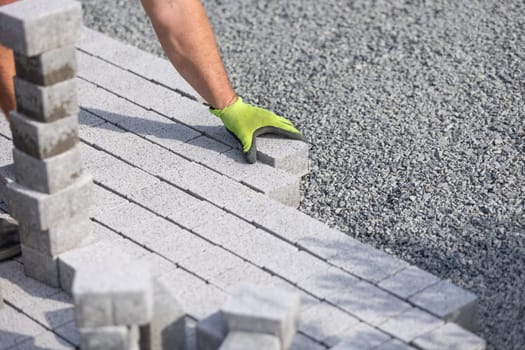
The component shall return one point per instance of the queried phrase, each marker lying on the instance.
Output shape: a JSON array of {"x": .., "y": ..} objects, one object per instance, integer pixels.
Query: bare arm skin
[{"x": 186, "y": 36}]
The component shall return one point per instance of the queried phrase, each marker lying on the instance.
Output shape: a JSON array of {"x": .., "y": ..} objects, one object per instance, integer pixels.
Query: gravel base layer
[{"x": 415, "y": 111}]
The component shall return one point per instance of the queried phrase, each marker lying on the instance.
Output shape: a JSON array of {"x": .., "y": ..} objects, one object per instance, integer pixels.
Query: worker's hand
[{"x": 246, "y": 122}]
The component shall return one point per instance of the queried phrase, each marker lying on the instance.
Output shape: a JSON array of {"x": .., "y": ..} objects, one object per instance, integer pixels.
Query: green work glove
[{"x": 246, "y": 122}]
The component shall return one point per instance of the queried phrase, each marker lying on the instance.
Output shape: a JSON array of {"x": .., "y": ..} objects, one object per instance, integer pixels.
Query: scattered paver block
[
  {"x": 408, "y": 282},
  {"x": 450, "y": 336},
  {"x": 237, "y": 340},
  {"x": 210, "y": 332},
  {"x": 43, "y": 140},
  {"x": 325, "y": 323},
  {"x": 450, "y": 303},
  {"x": 263, "y": 309},
  {"x": 411, "y": 324},
  {"x": 113, "y": 293},
  {"x": 68, "y": 234},
  {"x": 367, "y": 302},
  {"x": 49, "y": 175},
  {"x": 40, "y": 266},
  {"x": 47, "y": 68},
  {"x": 16, "y": 328},
  {"x": 33, "y": 27},
  {"x": 167, "y": 326},
  {"x": 361, "y": 337},
  {"x": 44, "y": 211},
  {"x": 281, "y": 153},
  {"x": 46, "y": 103},
  {"x": 109, "y": 337}
]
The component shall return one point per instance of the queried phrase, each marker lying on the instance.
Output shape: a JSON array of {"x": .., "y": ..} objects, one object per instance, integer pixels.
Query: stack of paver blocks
[
  {"x": 119, "y": 307},
  {"x": 50, "y": 195},
  {"x": 255, "y": 317}
]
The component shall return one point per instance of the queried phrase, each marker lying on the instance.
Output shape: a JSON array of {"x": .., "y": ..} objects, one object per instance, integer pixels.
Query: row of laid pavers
[
  {"x": 288, "y": 155},
  {"x": 339, "y": 249}
]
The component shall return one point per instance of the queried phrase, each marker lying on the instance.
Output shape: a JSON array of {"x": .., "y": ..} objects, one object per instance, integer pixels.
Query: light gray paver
[
  {"x": 325, "y": 323},
  {"x": 105, "y": 338},
  {"x": 40, "y": 266},
  {"x": 450, "y": 303},
  {"x": 167, "y": 326},
  {"x": 368, "y": 302},
  {"x": 46, "y": 103},
  {"x": 43, "y": 211},
  {"x": 48, "y": 68},
  {"x": 52, "y": 312},
  {"x": 43, "y": 140},
  {"x": 113, "y": 293},
  {"x": 394, "y": 344},
  {"x": 300, "y": 342},
  {"x": 449, "y": 336},
  {"x": 285, "y": 154},
  {"x": 34, "y": 27},
  {"x": 361, "y": 337},
  {"x": 49, "y": 175},
  {"x": 263, "y": 309},
  {"x": 16, "y": 328},
  {"x": 210, "y": 332},
  {"x": 237, "y": 340},
  {"x": 410, "y": 324},
  {"x": 45, "y": 341},
  {"x": 408, "y": 282}
]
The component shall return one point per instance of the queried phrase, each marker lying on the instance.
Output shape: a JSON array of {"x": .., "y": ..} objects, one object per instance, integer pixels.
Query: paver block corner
[
  {"x": 450, "y": 336},
  {"x": 285, "y": 154},
  {"x": 210, "y": 332},
  {"x": 32, "y": 27},
  {"x": 40, "y": 266}
]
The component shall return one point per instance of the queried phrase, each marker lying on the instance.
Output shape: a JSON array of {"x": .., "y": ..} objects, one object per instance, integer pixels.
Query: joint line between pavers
[{"x": 180, "y": 92}]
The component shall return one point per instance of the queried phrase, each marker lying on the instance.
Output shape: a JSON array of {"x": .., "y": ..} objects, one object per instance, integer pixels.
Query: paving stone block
[
  {"x": 410, "y": 324},
  {"x": 33, "y": 27},
  {"x": 43, "y": 140},
  {"x": 226, "y": 230},
  {"x": 94, "y": 253},
  {"x": 229, "y": 278},
  {"x": 210, "y": 332},
  {"x": 325, "y": 323},
  {"x": 104, "y": 338},
  {"x": 408, "y": 282},
  {"x": 46, "y": 103},
  {"x": 237, "y": 340},
  {"x": 86, "y": 119},
  {"x": 450, "y": 336},
  {"x": 361, "y": 337},
  {"x": 45, "y": 340},
  {"x": 167, "y": 327},
  {"x": 107, "y": 201},
  {"x": 68, "y": 234},
  {"x": 47, "y": 68},
  {"x": 253, "y": 206},
  {"x": 323, "y": 283},
  {"x": 44, "y": 211},
  {"x": 70, "y": 332},
  {"x": 450, "y": 303},
  {"x": 367, "y": 302},
  {"x": 49, "y": 175},
  {"x": 52, "y": 312},
  {"x": 282, "y": 153},
  {"x": 196, "y": 215},
  {"x": 16, "y": 328},
  {"x": 113, "y": 293},
  {"x": 40, "y": 266},
  {"x": 263, "y": 309},
  {"x": 159, "y": 265},
  {"x": 394, "y": 344},
  {"x": 300, "y": 342}
]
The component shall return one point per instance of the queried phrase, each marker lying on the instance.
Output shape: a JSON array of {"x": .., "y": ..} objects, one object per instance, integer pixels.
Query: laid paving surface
[{"x": 172, "y": 189}]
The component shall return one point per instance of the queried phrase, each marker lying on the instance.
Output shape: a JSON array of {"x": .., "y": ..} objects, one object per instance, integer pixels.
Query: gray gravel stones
[{"x": 415, "y": 115}]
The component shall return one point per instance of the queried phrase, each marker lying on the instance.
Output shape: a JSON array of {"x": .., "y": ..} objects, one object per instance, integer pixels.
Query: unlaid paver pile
[{"x": 50, "y": 194}]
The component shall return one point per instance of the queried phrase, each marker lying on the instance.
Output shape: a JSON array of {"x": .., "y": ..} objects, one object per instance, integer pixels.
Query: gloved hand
[{"x": 246, "y": 122}]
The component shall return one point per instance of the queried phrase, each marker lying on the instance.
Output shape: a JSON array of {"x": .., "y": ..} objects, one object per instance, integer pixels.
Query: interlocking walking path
[{"x": 173, "y": 189}]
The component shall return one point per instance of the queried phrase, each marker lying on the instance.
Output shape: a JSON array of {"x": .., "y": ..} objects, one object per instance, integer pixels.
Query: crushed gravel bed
[{"x": 416, "y": 115}]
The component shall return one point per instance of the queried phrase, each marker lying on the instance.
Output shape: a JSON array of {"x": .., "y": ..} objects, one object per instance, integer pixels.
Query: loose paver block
[
  {"x": 263, "y": 309},
  {"x": 408, "y": 282},
  {"x": 105, "y": 338},
  {"x": 46, "y": 103},
  {"x": 32, "y": 27},
  {"x": 43, "y": 140},
  {"x": 40, "y": 266},
  {"x": 282, "y": 153},
  {"x": 237, "y": 340},
  {"x": 44, "y": 211},
  {"x": 450, "y": 303},
  {"x": 410, "y": 324},
  {"x": 49, "y": 175},
  {"x": 167, "y": 326},
  {"x": 113, "y": 293},
  {"x": 450, "y": 337},
  {"x": 210, "y": 332},
  {"x": 47, "y": 68}
]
